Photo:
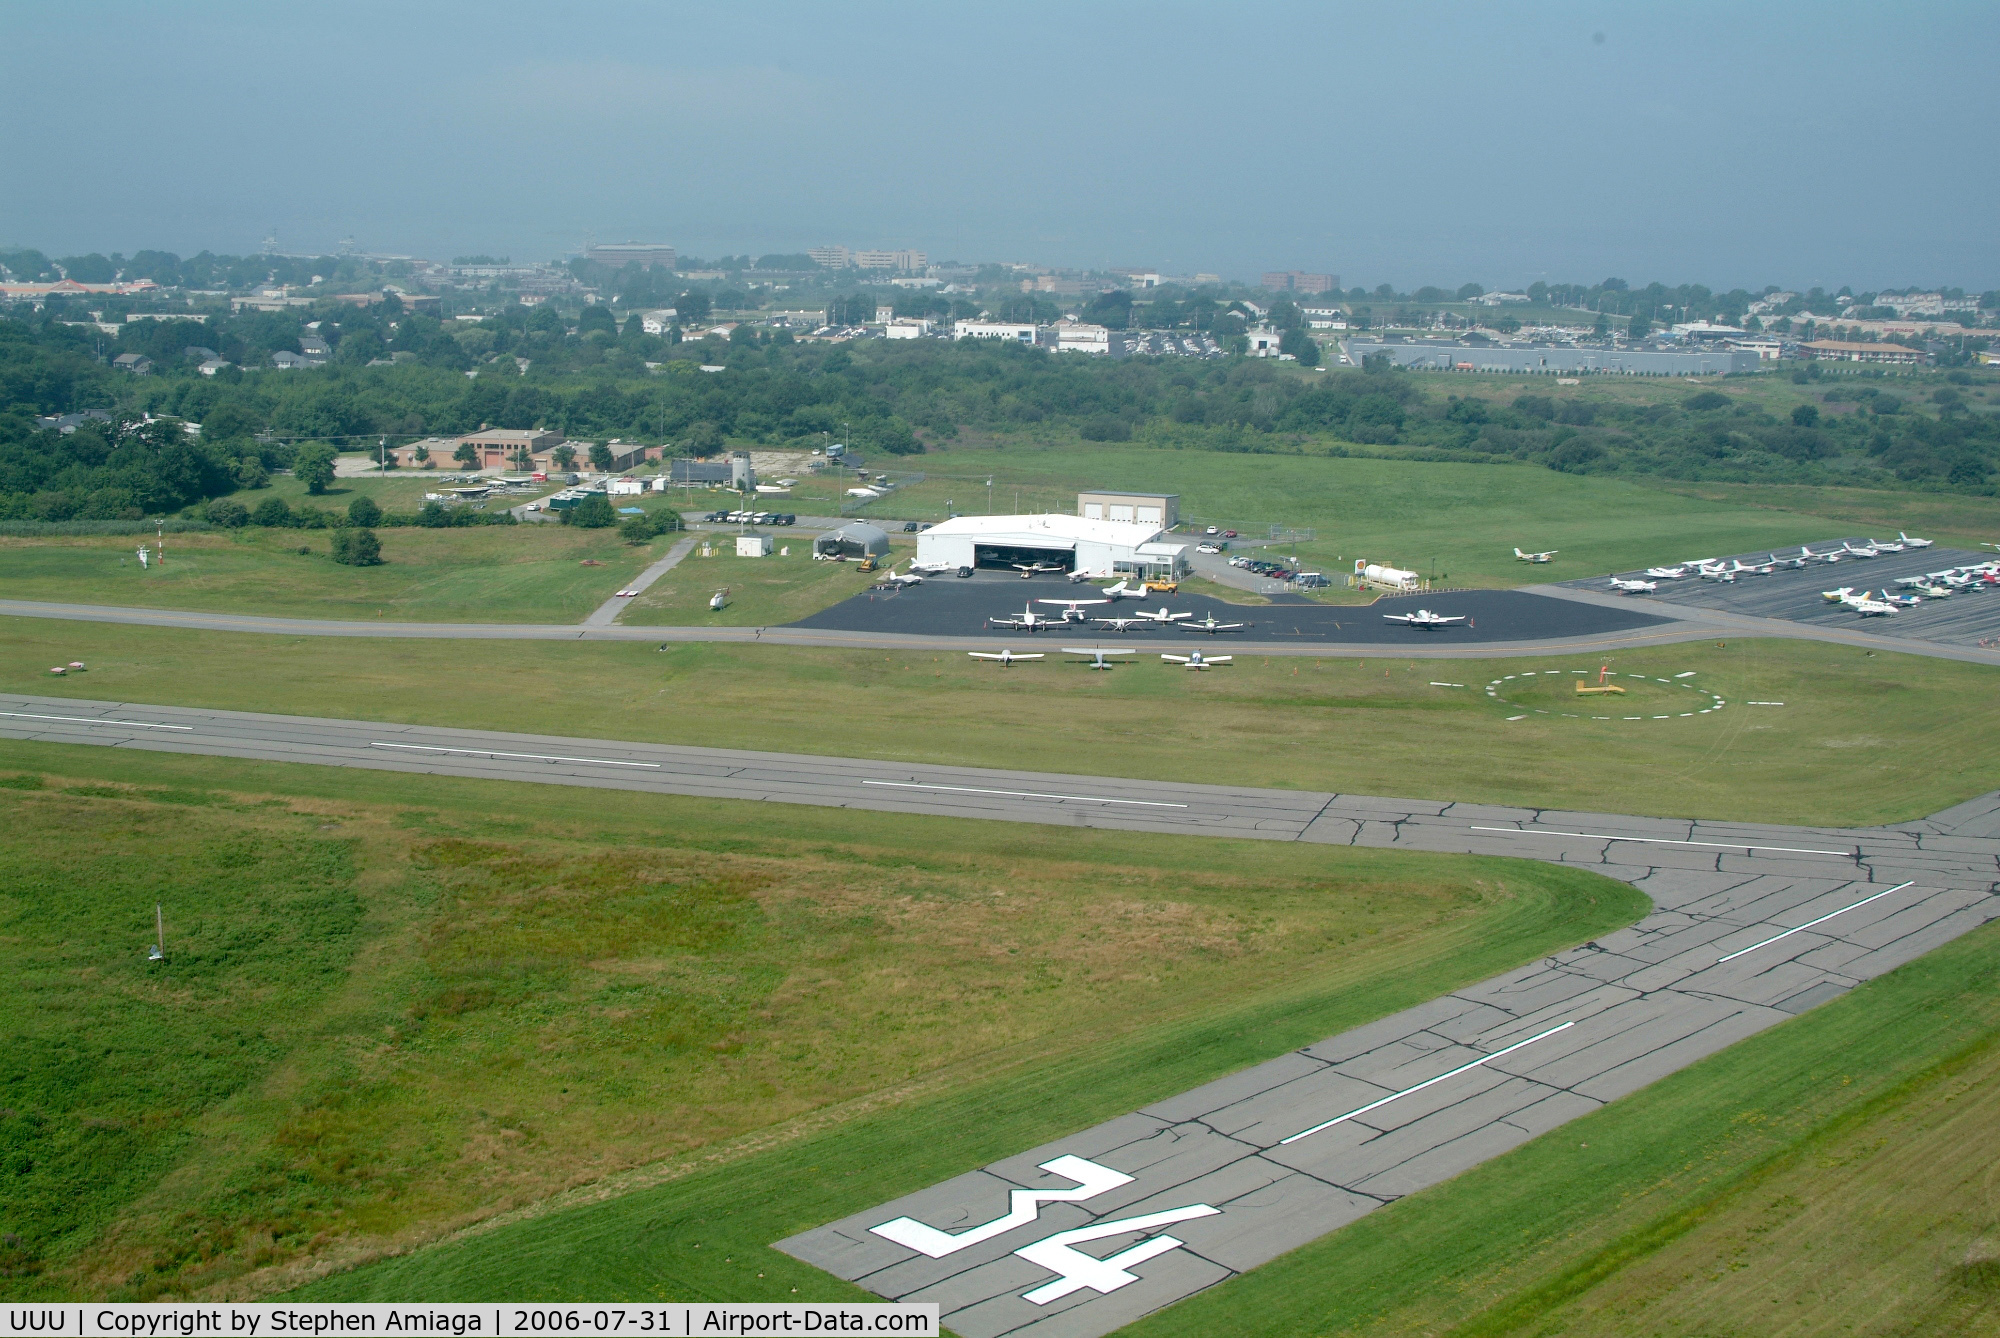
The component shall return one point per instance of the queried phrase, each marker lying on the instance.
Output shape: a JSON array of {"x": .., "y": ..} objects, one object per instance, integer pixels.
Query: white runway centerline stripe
[
  {"x": 531, "y": 757},
  {"x": 1021, "y": 794},
  {"x": 1429, "y": 1082},
  {"x": 1668, "y": 841},
  {"x": 1810, "y": 923},
  {"x": 87, "y": 720}
]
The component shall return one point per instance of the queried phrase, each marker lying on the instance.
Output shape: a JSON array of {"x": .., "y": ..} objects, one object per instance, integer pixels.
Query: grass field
[
  {"x": 1460, "y": 521},
  {"x": 763, "y": 592},
  {"x": 525, "y": 573},
  {"x": 1831, "y": 1176},
  {"x": 1861, "y": 738},
  {"x": 393, "y": 1006}
]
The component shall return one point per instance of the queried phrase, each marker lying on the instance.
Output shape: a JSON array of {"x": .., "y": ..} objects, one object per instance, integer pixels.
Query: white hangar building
[{"x": 1073, "y": 543}]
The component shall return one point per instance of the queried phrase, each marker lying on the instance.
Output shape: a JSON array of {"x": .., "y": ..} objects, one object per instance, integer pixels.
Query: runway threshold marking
[
  {"x": 1810, "y": 923},
  {"x": 1668, "y": 841},
  {"x": 1429, "y": 1082},
  {"x": 531, "y": 757},
  {"x": 87, "y": 720},
  {"x": 1021, "y": 794}
]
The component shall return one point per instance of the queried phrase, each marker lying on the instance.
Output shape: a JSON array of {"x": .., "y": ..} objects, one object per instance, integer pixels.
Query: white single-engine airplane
[
  {"x": 1072, "y": 609},
  {"x": 1536, "y": 557},
  {"x": 1097, "y": 654},
  {"x": 1194, "y": 659},
  {"x": 1029, "y": 621},
  {"x": 895, "y": 577},
  {"x": 1028, "y": 569},
  {"x": 1908, "y": 542},
  {"x": 1666, "y": 573},
  {"x": 1165, "y": 615},
  {"x": 1119, "y": 624},
  {"x": 1422, "y": 618},
  {"x": 1211, "y": 626},
  {"x": 1123, "y": 590},
  {"x": 1003, "y": 658},
  {"x": 1634, "y": 587}
]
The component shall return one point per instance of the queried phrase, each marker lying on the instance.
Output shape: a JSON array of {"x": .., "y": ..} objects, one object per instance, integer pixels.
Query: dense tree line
[{"x": 593, "y": 382}]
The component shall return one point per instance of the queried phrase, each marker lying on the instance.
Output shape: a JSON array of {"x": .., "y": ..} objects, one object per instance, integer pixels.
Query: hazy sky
[{"x": 1749, "y": 143}]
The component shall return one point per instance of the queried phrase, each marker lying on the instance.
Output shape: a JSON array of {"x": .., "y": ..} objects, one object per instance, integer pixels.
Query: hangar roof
[{"x": 1051, "y": 529}]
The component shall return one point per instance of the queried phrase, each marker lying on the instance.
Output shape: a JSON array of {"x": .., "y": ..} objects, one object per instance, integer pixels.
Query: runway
[{"x": 1752, "y": 924}]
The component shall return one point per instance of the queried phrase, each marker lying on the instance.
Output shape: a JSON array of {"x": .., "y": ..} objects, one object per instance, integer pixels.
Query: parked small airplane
[
  {"x": 901, "y": 578},
  {"x": 1097, "y": 654},
  {"x": 1165, "y": 615},
  {"x": 1073, "y": 608},
  {"x": 1536, "y": 557},
  {"x": 1795, "y": 563},
  {"x": 1194, "y": 659},
  {"x": 1422, "y": 618},
  {"x": 1123, "y": 590},
  {"x": 1839, "y": 596},
  {"x": 1901, "y": 601},
  {"x": 931, "y": 568},
  {"x": 1865, "y": 551},
  {"x": 1870, "y": 608},
  {"x": 1211, "y": 626},
  {"x": 1908, "y": 542},
  {"x": 1666, "y": 573},
  {"x": 1884, "y": 546},
  {"x": 1029, "y": 621},
  {"x": 1028, "y": 569},
  {"x": 1634, "y": 587},
  {"x": 1003, "y": 658},
  {"x": 1119, "y": 624}
]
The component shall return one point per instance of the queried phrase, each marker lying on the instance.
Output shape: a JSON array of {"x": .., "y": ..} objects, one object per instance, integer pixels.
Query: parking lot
[
  {"x": 1968, "y": 618},
  {"x": 948, "y": 606}
]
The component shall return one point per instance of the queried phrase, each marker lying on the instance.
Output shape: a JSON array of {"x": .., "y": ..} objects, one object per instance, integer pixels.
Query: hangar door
[{"x": 1007, "y": 555}]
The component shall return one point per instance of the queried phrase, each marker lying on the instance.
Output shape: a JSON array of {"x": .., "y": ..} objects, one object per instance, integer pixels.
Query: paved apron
[{"x": 1753, "y": 924}]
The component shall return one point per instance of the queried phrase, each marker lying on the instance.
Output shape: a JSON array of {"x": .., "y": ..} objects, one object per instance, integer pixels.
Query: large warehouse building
[{"x": 1072, "y": 543}]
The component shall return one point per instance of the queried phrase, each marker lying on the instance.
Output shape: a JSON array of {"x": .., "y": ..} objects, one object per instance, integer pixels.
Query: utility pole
[{"x": 159, "y": 952}]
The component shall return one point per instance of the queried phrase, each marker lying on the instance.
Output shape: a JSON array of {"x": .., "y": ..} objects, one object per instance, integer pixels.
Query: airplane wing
[
  {"x": 1177, "y": 659},
  {"x": 1094, "y": 650},
  {"x": 1217, "y": 659},
  {"x": 1399, "y": 617}
]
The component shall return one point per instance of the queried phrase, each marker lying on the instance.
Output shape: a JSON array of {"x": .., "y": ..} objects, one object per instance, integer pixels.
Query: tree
[
  {"x": 226, "y": 513},
  {"x": 1469, "y": 291},
  {"x": 563, "y": 456},
  {"x": 313, "y": 465},
  {"x": 433, "y": 516},
  {"x": 600, "y": 457},
  {"x": 272, "y": 513},
  {"x": 422, "y": 455},
  {"x": 364, "y": 511},
  {"x": 1639, "y": 328},
  {"x": 636, "y": 529},
  {"x": 250, "y": 473},
  {"x": 357, "y": 548},
  {"x": 1301, "y": 346},
  {"x": 467, "y": 454},
  {"x": 1805, "y": 415},
  {"x": 592, "y": 513}
]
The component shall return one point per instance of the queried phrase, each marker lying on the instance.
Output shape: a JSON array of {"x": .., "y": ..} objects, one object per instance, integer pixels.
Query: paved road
[
  {"x": 1753, "y": 924},
  {"x": 605, "y": 614}
]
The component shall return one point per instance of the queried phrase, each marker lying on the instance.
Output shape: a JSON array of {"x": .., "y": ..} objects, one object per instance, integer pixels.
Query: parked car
[
  {"x": 788, "y": 519},
  {"x": 909, "y": 527},
  {"x": 1212, "y": 530},
  {"x": 1229, "y": 534},
  {"x": 1206, "y": 548}
]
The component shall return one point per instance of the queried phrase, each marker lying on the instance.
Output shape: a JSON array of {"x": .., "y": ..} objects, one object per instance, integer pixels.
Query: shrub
[
  {"x": 592, "y": 513},
  {"x": 434, "y": 516},
  {"x": 363, "y": 511},
  {"x": 637, "y": 529},
  {"x": 271, "y": 512},
  {"x": 224, "y": 512},
  {"x": 1706, "y": 401},
  {"x": 1104, "y": 427},
  {"x": 357, "y": 547}
]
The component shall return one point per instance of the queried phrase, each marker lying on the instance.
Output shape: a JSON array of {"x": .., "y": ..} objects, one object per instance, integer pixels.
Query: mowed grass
[
  {"x": 762, "y": 592},
  {"x": 1461, "y": 522},
  {"x": 1833, "y": 1175},
  {"x": 513, "y": 573},
  {"x": 395, "y": 1006},
  {"x": 1861, "y": 738}
]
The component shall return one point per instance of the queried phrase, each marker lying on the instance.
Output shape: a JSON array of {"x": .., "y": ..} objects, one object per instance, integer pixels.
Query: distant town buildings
[
  {"x": 904, "y": 261},
  {"x": 1292, "y": 281},
  {"x": 620, "y": 254},
  {"x": 1020, "y": 334},
  {"x": 1079, "y": 337}
]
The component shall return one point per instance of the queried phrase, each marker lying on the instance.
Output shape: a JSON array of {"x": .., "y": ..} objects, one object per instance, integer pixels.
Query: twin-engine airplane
[
  {"x": 1422, "y": 618},
  {"x": 1029, "y": 621}
]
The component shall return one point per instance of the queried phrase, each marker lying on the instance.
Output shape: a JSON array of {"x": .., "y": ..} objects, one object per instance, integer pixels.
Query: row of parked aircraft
[
  {"x": 1073, "y": 612},
  {"x": 1716, "y": 569},
  {"x": 1101, "y": 658},
  {"x": 1916, "y": 589}
]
